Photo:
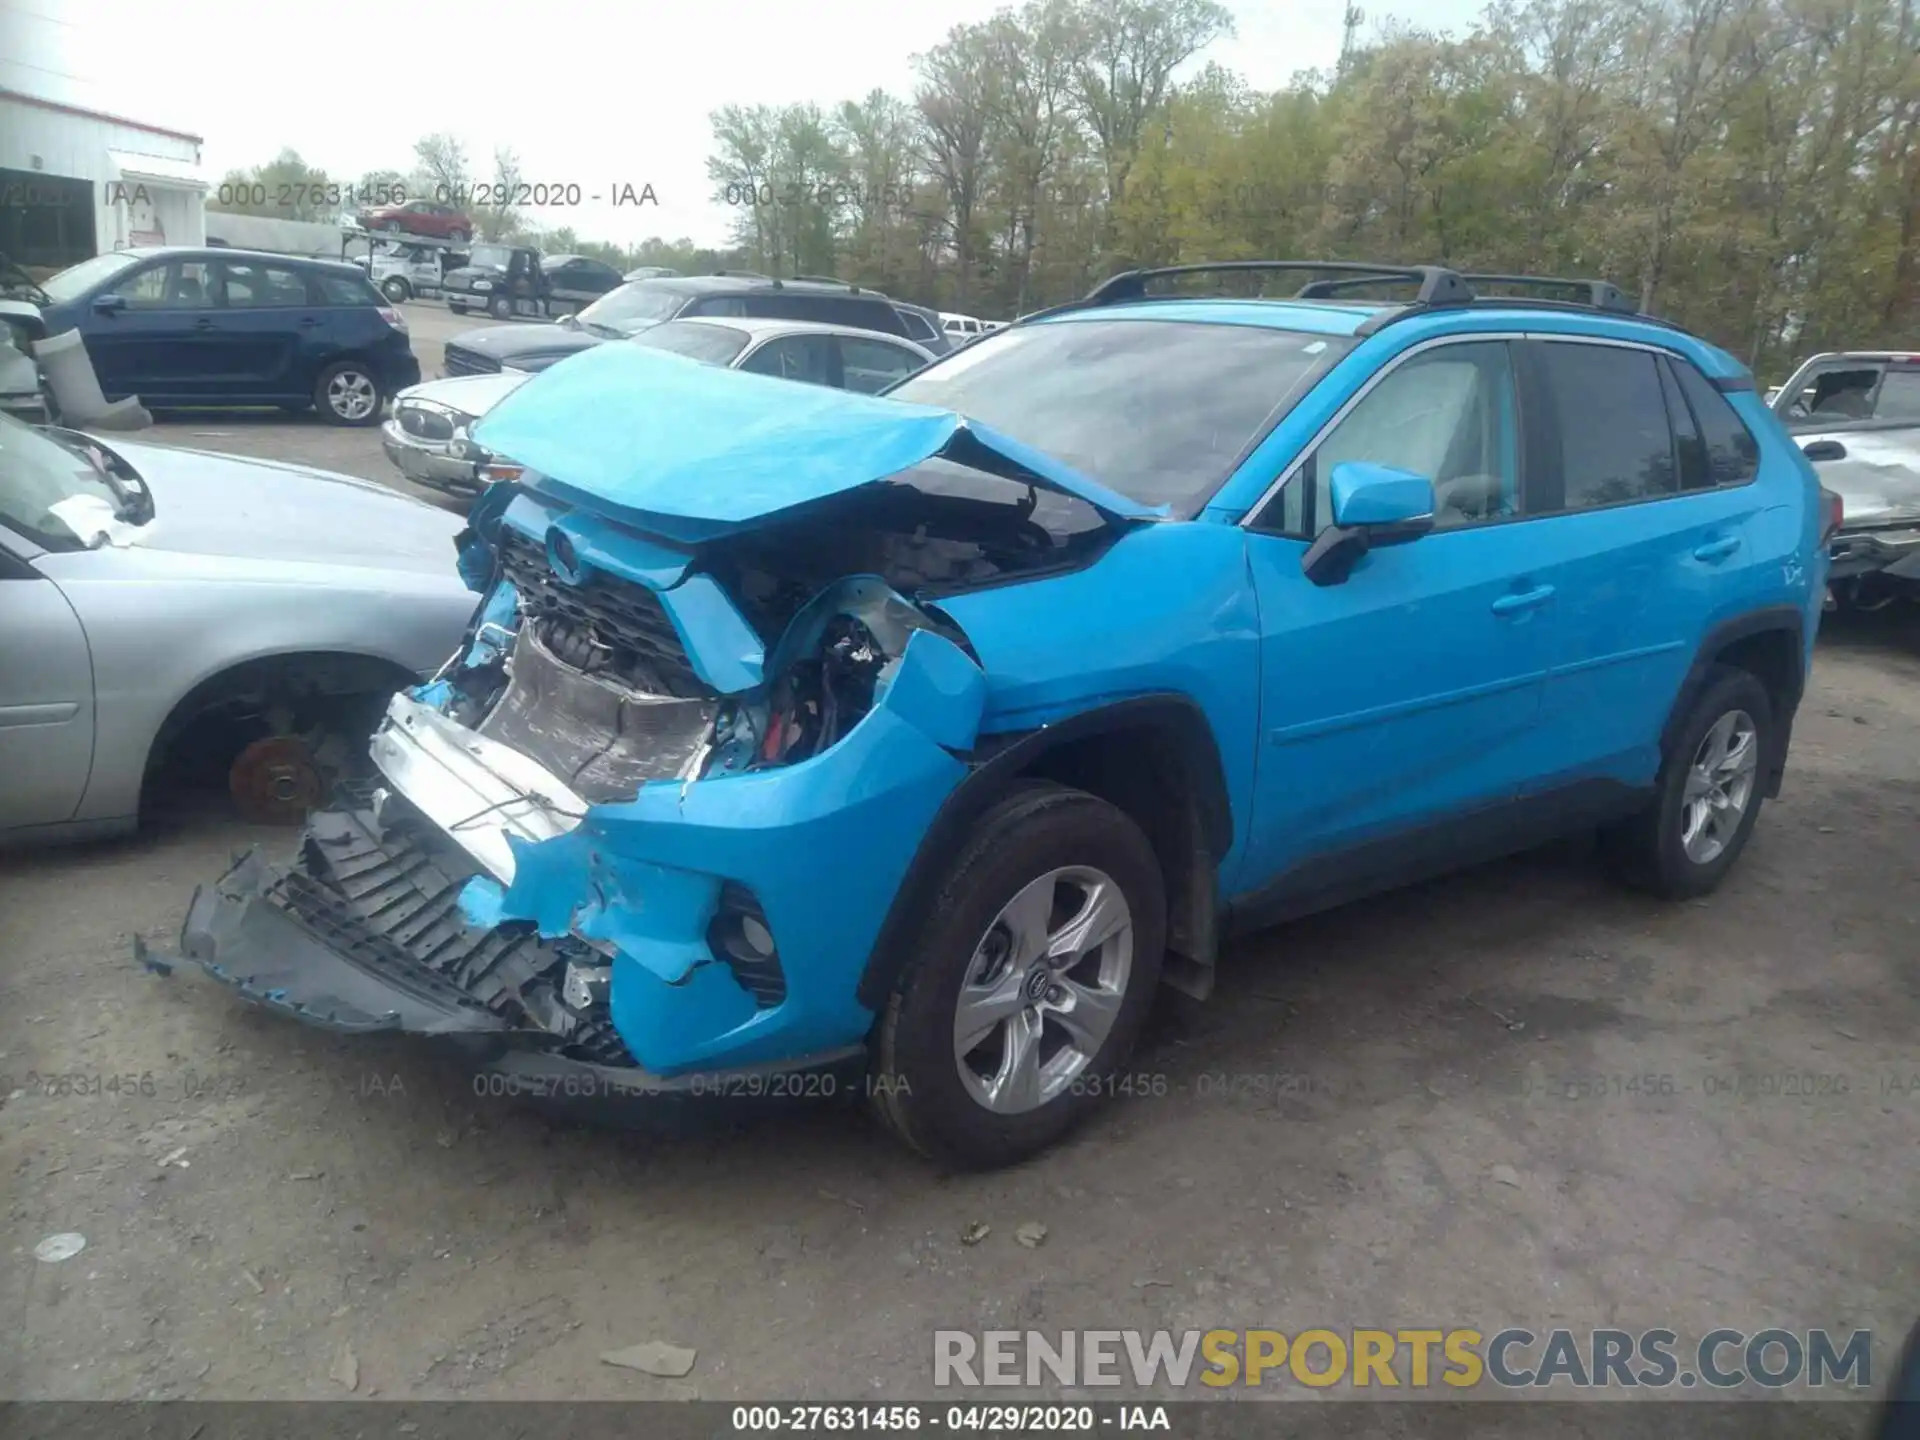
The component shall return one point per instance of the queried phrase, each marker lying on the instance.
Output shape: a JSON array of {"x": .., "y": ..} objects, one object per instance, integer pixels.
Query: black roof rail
[
  {"x": 1601, "y": 294},
  {"x": 744, "y": 274},
  {"x": 1438, "y": 285}
]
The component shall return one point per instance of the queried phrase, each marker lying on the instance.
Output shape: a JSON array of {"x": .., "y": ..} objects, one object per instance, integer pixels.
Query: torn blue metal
[
  {"x": 477, "y": 545},
  {"x": 721, "y": 646},
  {"x": 689, "y": 451},
  {"x": 823, "y": 845}
]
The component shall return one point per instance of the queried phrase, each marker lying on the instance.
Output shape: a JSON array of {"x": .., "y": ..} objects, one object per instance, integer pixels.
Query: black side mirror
[
  {"x": 1818, "y": 450},
  {"x": 109, "y": 304}
]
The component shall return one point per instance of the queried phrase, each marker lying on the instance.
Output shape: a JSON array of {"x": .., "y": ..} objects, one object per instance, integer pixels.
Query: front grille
[
  {"x": 462, "y": 361},
  {"x": 601, "y": 626},
  {"x": 389, "y": 895}
]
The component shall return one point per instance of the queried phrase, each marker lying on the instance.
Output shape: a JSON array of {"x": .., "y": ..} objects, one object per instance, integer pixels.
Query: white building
[{"x": 76, "y": 179}]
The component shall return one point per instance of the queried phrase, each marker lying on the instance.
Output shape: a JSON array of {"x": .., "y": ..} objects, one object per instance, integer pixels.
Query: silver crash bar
[{"x": 477, "y": 790}]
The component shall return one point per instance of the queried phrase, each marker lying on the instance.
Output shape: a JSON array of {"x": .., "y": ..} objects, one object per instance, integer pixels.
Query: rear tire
[
  {"x": 396, "y": 290},
  {"x": 1707, "y": 796},
  {"x": 1009, "y": 926},
  {"x": 456, "y": 307},
  {"x": 348, "y": 393}
]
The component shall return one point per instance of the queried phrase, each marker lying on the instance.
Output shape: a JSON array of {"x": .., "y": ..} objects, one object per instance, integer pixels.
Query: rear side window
[
  {"x": 337, "y": 289},
  {"x": 827, "y": 309},
  {"x": 1732, "y": 454},
  {"x": 1899, "y": 397},
  {"x": 250, "y": 285},
  {"x": 719, "y": 305},
  {"x": 1615, "y": 444},
  {"x": 917, "y": 326}
]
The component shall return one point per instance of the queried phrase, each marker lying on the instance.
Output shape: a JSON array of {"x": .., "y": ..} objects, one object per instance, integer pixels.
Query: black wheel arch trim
[
  {"x": 999, "y": 761},
  {"x": 1785, "y": 619}
]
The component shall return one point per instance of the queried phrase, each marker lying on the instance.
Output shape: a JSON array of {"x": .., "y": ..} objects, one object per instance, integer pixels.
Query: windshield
[
  {"x": 49, "y": 491},
  {"x": 696, "y": 339},
  {"x": 76, "y": 280},
  {"x": 1159, "y": 410},
  {"x": 490, "y": 257},
  {"x": 633, "y": 308}
]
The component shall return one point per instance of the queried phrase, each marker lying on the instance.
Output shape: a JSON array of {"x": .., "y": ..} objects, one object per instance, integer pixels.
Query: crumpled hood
[
  {"x": 1879, "y": 481},
  {"x": 469, "y": 394},
  {"x": 690, "y": 451},
  {"x": 209, "y": 504}
]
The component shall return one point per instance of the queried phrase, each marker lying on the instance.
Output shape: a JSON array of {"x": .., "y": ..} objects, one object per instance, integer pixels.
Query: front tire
[
  {"x": 348, "y": 393},
  {"x": 1707, "y": 797},
  {"x": 458, "y": 237},
  {"x": 456, "y": 307},
  {"x": 1031, "y": 975},
  {"x": 499, "y": 308}
]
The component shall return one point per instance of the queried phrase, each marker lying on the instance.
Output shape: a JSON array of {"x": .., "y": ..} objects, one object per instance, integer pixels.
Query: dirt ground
[{"x": 1369, "y": 1126}]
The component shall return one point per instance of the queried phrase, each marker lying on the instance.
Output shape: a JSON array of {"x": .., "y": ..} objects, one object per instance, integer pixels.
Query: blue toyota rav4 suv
[{"x": 802, "y": 735}]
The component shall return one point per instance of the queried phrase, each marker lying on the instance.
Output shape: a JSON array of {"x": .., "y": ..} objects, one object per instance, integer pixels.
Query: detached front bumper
[{"x": 338, "y": 974}]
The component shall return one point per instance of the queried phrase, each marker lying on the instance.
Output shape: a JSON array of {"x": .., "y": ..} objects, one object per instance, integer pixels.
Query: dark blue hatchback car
[{"x": 185, "y": 327}]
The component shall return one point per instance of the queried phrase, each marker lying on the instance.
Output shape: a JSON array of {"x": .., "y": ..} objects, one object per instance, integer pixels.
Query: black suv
[{"x": 642, "y": 304}]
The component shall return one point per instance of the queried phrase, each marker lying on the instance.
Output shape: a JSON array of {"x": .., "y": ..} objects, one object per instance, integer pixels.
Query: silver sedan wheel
[
  {"x": 352, "y": 395},
  {"x": 1043, "y": 989},
  {"x": 1719, "y": 786}
]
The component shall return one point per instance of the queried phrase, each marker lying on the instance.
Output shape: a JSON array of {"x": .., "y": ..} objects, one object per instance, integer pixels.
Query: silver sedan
[{"x": 156, "y": 602}]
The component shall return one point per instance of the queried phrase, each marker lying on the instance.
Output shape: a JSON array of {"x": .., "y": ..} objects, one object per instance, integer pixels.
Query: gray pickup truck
[{"x": 1856, "y": 414}]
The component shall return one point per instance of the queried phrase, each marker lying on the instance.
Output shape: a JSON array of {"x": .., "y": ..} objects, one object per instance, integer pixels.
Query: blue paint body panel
[{"x": 823, "y": 845}]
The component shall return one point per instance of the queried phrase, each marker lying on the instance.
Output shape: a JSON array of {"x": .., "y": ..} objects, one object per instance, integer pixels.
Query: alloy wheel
[
  {"x": 1043, "y": 989},
  {"x": 1719, "y": 786},
  {"x": 352, "y": 395}
]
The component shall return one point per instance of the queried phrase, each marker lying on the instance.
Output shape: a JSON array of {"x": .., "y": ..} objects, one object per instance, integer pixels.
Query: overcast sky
[{"x": 595, "y": 94}]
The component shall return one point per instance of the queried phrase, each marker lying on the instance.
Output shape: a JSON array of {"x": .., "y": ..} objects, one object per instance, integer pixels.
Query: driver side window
[{"x": 1447, "y": 414}]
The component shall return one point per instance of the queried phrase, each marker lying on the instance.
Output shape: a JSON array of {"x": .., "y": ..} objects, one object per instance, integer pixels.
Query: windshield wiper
[{"x": 605, "y": 332}]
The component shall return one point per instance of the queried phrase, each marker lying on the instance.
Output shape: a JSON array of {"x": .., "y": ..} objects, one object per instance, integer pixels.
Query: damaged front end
[{"x": 648, "y": 822}]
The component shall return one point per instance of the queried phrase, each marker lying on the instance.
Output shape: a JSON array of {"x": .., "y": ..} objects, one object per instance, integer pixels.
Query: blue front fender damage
[{"x": 822, "y": 843}]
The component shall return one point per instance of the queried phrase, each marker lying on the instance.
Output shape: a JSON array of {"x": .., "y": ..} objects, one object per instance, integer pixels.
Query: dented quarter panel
[
  {"x": 1168, "y": 608},
  {"x": 822, "y": 843}
]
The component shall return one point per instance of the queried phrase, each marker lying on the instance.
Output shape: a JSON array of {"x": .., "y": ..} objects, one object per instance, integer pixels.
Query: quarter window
[
  {"x": 806, "y": 358},
  {"x": 869, "y": 366},
  {"x": 1447, "y": 414},
  {"x": 1615, "y": 444},
  {"x": 1732, "y": 455},
  {"x": 252, "y": 286}
]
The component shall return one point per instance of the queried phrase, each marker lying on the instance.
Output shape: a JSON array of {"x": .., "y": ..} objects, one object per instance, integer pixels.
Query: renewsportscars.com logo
[{"x": 1459, "y": 1359}]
